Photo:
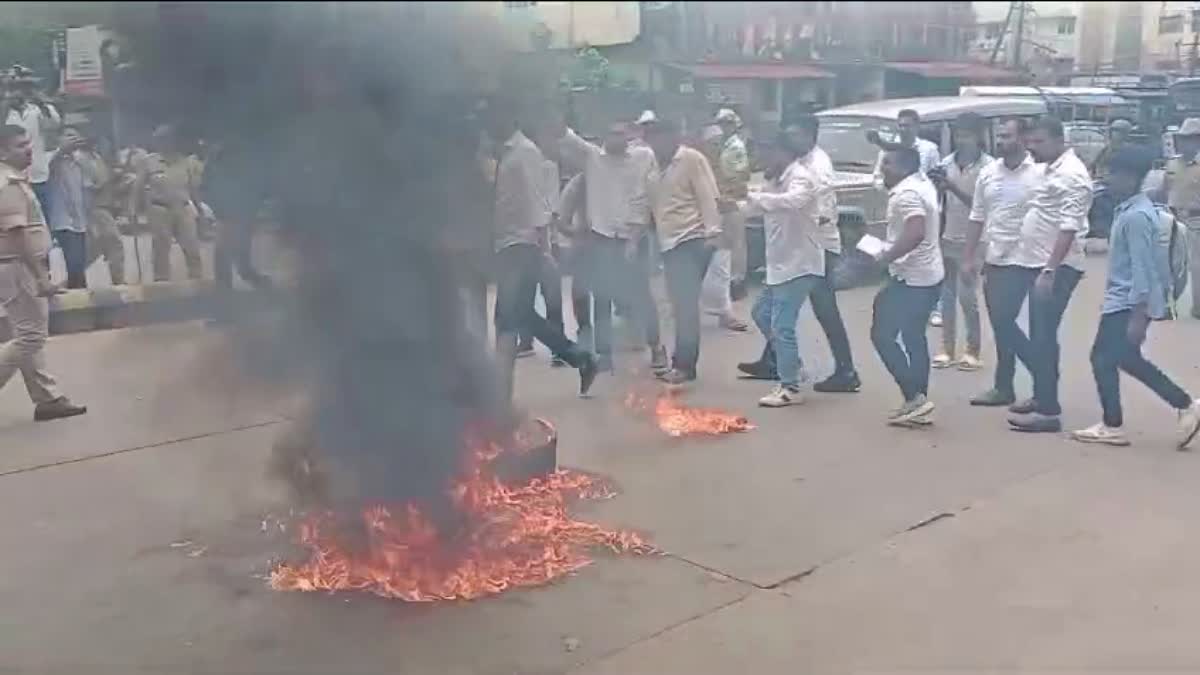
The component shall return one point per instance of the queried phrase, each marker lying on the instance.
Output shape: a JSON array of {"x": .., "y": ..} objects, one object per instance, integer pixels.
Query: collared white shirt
[
  {"x": 683, "y": 195},
  {"x": 1058, "y": 203},
  {"x": 1000, "y": 202},
  {"x": 520, "y": 205},
  {"x": 791, "y": 208},
  {"x": 965, "y": 178},
  {"x": 35, "y": 125},
  {"x": 915, "y": 196},
  {"x": 831, "y": 237},
  {"x": 615, "y": 184}
]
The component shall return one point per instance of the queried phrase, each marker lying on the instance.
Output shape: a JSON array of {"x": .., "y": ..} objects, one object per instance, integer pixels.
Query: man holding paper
[
  {"x": 791, "y": 208},
  {"x": 913, "y": 256}
]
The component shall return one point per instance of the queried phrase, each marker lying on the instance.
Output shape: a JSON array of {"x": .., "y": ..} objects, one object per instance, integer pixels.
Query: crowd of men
[{"x": 1013, "y": 224}]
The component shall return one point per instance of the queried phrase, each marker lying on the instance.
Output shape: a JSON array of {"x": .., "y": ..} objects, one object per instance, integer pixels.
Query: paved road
[{"x": 822, "y": 542}]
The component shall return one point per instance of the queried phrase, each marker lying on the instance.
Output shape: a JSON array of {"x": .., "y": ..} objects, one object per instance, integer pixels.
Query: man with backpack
[
  {"x": 1138, "y": 289},
  {"x": 1183, "y": 193}
]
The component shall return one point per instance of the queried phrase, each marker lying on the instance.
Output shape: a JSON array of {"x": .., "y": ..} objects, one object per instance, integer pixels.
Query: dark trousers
[
  {"x": 74, "y": 250},
  {"x": 684, "y": 267},
  {"x": 613, "y": 280},
  {"x": 519, "y": 269},
  {"x": 902, "y": 311},
  {"x": 825, "y": 307},
  {"x": 1113, "y": 352},
  {"x": 1004, "y": 291},
  {"x": 233, "y": 250},
  {"x": 550, "y": 282},
  {"x": 1045, "y": 316}
]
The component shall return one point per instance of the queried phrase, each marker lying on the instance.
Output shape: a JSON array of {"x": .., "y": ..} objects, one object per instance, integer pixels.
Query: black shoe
[
  {"x": 1023, "y": 407},
  {"x": 587, "y": 373},
  {"x": 993, "y": 398},
  {"x": 759, "y": 370},
  {"x": 841, "y": 382},
  {"x": 557, "y": 362},
  {"x": 57, "y": 409}
]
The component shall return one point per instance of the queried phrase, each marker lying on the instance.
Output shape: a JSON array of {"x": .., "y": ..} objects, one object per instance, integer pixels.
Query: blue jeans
[{"x": 775, "y": 312}]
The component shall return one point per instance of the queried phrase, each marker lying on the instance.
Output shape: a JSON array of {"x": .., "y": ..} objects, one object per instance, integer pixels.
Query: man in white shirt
[
  {"x": 823, "y": 298},
  {"x": 956, "y": 177},
  {"x": 908, "y": 123},
  {"x": 1051, "y": 251},
  {"x": 791, "y": 209},
  {"x": 914, "y": 261},
  {"x": 518, "y": 224},
  {"x": 616, "y": 178},
  {"x": 998, "y": 208},
  {"x": 27, "y": 109}
]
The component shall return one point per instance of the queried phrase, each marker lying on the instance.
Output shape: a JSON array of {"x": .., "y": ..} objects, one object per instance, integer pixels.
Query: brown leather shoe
[{"x": 57, "y": 409}]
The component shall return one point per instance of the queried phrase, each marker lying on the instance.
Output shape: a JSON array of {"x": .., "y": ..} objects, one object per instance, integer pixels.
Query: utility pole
[
  {"x": 1003, "y": 31},
  {"x": 1019, "y": 37},
  {"x": 1192, "y": 58}
]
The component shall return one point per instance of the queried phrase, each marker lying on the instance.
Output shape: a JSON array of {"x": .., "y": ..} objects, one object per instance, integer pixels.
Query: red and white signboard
[{"x": 84, "y": 74}]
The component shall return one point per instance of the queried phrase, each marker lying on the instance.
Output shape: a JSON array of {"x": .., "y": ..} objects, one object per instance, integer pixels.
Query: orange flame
[
  {"x": 512, "y": 537},
  {"x": 676, "y": 419}
]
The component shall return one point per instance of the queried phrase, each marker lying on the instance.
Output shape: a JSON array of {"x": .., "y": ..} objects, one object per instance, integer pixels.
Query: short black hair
[
  {"x": 1021, "y": 122},
  {"x": 1132, "y": 160},
  {"x": 909, "y": 113},
  {"x": 970, "y": 122},
  {"x": 908, "y": 159},
  {"x": 1051, "y": 125},
  {"x": 10, "y": 132}
]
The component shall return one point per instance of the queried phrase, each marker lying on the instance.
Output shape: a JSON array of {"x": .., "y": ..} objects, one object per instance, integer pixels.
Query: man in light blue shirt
[{"x": 1136, "y": 292}]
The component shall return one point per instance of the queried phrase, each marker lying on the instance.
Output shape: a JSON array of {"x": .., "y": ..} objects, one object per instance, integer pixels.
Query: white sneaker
[
  {"x": 1189, "y": 424},
  {"x": 935, "y": 319},
  {"x": 781, "y": 396},
  {"x": 1101, "y": 433},
  {"x": 912, "y": 410},
  {"x": 943, "y": 360},
  {"x": 970, "y": 362}
]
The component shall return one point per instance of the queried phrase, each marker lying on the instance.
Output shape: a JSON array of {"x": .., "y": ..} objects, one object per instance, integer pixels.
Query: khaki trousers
[
  {"x": 174, "y": 223},
  {"x": 29, "y": 316},
  {"x": 104, "y": 239}
]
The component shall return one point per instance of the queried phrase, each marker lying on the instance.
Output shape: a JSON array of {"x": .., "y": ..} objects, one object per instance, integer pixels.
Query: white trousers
[{"x": 714, "y": 293}]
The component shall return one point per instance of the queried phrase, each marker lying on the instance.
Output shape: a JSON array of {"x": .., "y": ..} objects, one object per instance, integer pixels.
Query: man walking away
[
  {"x": 823, "y": 298},
  {"x": 1183, "y": 195},
  {"x": 25, "y": 279},
  {"x": 956, "y": 177},
  {"x": 914, "y": 260},
  {"x": 69, "y": 207},
  {"x": 1136, "y": 292},
  {"x": 684, "y": 201},
  {"x": 518, "y": 226},
  {"x": 791, "y": 208},
  {"x": 1051, "y": 252},
  {"x": 998, "y": 209},
  {"x": 726, "y": 154}
]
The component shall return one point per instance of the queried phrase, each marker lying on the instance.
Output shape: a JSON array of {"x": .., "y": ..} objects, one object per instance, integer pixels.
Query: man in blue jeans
[
  {"x": 913, "y": 256},
  {"x": 1136, "y": 292},
  {"x": 794, "y": 255}
]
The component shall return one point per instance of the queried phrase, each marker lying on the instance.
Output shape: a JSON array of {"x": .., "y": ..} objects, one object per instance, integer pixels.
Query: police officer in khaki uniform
[
  {"x": 25, "y": 279},
  {"x": 1183, "y": 195},
  {"x": 167, "y": 181}
]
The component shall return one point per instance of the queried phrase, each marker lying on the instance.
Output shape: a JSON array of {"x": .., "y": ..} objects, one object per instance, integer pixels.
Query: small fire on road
[
  {"x": 509, "y": 537},
  {"x": 677, "y": 419}
]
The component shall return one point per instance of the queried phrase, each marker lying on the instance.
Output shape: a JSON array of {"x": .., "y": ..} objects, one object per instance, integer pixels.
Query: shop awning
[{"x": 752, "y": 71}]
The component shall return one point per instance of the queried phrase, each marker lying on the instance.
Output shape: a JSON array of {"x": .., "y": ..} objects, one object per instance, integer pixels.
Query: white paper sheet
[{"x": 871, "y": 245}]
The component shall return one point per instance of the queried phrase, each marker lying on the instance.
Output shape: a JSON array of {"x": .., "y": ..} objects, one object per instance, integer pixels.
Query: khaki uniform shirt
[
  {"x": 1183, "y": 188},
  {"x": 20, "y": 209},
  {"x": 170, "y": 182}
]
